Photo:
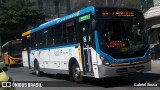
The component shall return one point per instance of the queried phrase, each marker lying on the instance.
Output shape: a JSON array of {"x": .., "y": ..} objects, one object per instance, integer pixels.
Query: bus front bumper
[
  {"x": 106, "y": 71},
  {"x": 14, "y": 61}
]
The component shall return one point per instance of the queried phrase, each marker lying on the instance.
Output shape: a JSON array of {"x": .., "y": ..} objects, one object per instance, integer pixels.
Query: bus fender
[
  {"x": 70, "y": 65},
  {"x": 71, "y": 62}
]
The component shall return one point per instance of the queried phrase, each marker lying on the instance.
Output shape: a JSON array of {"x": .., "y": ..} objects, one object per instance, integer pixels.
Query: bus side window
[
  {"x": 70, "y": 31},
  {"x": 51, "y": 36},
  {"x": 58, "y": 34},
  {"x": 33, "y": 41},
  {"x": 39, "y": 39},
  {"x": 45, "y": 37}
]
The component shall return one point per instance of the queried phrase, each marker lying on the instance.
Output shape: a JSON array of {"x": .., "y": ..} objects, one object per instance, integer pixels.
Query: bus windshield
[
  {"x": 122, "y": 35},
  {"x": 15, "y": 50}
]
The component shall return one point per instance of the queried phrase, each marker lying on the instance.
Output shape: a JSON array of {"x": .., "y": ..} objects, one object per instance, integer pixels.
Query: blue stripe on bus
[
  {"x": 56, "y": 47},
  {"x": 65, "y": 18},
  {"x": 110, "y": 59},
  {"x": 87, "y": 10}
]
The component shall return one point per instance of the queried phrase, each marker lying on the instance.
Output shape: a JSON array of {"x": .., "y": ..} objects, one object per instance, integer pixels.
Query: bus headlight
[{"x": 104, "y": 61}]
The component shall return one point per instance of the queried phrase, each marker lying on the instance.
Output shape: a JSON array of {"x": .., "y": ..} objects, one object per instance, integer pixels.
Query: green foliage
[{"x": 17, "y": 15}]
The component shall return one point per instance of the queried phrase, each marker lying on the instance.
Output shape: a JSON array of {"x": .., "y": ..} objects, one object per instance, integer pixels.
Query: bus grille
[{"x": 131, "y": 69}]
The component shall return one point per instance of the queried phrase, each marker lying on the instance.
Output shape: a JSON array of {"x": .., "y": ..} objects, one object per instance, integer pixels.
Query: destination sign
[
  {"x": 16, "y": 42},
  {"x": 118, "y": 13},
  {"x": 115, "y": 13}
]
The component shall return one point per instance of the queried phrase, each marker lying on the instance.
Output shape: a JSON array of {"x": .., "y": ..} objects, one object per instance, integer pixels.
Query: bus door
[
  {"x": 85, "y": 42},
  {"x": 26, "y": 51}
]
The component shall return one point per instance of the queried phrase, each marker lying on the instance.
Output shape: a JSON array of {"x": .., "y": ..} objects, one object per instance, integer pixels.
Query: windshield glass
[
  {"x": 15, "y": 50},
  {"x": 117, "y": 35}
]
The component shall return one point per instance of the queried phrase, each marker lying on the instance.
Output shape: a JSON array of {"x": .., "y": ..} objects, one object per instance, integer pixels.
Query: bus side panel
[
  {"x": 25, "y": 58},
  {"x": 32, "y": 57},
  {"x": 46, "y": 58},
  {"x": 55, "y": 59},
  {"x": 56, "y": 56},
  {"x": 39, "y": 56},
  {"x": 94, "y": 63},
  {"x": 61, "y": 57}
]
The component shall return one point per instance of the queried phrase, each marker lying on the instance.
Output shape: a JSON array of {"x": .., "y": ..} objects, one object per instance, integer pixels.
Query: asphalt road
[{"x": 61, "y": 82}]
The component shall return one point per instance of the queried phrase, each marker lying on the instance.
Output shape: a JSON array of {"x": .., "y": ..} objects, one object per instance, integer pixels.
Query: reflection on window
[{"x": 122, "y": 35}]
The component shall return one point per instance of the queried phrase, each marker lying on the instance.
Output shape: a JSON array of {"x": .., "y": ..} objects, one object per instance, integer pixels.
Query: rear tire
[
  {"x": 37, "y": 69},
  {"x": 76, "y": 73}
]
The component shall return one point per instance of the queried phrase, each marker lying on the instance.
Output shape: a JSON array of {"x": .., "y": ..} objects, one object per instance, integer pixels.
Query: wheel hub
[{"x": 77, "y": 72}]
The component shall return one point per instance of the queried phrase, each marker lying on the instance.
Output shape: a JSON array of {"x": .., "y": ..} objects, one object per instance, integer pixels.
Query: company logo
[
  {"x": 6, "y": 84},
  {"x": 20, "y": 84}
]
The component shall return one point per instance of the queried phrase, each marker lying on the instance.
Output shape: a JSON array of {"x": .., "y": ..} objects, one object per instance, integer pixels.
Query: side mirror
[
  {"x": 4, "y": 68},
  {"x": 93, "y": 24}
]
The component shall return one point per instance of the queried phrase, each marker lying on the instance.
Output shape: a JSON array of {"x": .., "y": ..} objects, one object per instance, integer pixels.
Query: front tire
[
  {"x": 37, "y": 69},
  {"x": 76, "y": 73}
]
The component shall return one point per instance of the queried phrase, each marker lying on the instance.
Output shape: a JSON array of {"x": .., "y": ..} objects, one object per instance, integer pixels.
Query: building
[
  {"x": 52, "y": 8},
  {"x": 152, "y": 16},
  {"x": 156, "y": 2}
]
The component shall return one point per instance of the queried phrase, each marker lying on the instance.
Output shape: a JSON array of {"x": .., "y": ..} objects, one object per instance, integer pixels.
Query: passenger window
[
  {"x": 58, "y": 35},
  {"x": 70, "y": 31}
]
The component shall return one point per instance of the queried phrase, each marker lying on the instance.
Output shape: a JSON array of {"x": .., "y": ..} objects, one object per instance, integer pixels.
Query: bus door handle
[{"x": 85, "y": 48}]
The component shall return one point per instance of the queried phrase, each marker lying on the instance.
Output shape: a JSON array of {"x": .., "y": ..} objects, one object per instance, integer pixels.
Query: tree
[{"x": 16, "y": 16}]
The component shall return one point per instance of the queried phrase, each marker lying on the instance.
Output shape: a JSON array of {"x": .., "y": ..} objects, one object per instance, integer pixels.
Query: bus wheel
[
  {"x": 76, "y": 73},
  {"x": 37, "y": 69}
]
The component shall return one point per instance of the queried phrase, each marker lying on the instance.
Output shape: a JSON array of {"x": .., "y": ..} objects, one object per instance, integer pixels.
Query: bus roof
[
  {"x": 10, "y": 41},
  {"x": 59, "y": 20}
]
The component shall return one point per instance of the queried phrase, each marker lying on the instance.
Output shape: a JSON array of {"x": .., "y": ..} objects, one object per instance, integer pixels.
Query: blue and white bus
[{"x": 92, "y": 42}]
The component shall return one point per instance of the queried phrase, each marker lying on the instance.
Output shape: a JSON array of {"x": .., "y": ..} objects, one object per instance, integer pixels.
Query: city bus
[
  {"x": 12, "y": 52},
  {"x": 93, "y": 42}
]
